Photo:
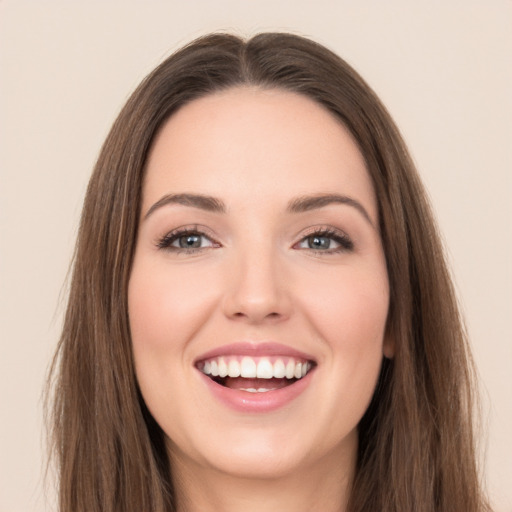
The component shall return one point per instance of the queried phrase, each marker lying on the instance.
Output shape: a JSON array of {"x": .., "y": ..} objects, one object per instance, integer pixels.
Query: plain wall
[{"x": 442, "y": 68}]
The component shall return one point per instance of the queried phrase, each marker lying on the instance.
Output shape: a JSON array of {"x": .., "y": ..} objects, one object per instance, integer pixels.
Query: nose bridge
[{"x": 256, "y": 290}]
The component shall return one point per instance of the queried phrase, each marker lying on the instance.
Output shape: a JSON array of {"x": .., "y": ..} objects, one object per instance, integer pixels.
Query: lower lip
[{"x": 245, "y": 401}]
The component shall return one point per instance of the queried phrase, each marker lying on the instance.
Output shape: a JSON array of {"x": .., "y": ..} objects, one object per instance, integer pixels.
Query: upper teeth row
[{"x": 262, "y": 368}]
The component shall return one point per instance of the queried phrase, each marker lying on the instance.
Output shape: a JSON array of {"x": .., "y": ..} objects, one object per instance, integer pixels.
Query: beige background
[{"x": 442, "y": 68}]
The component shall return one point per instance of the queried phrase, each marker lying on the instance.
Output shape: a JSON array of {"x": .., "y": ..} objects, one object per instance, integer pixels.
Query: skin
[{"x": 256, "y": 278}]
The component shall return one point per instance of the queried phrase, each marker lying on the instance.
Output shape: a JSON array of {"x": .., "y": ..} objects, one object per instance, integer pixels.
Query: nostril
[{"x": 272, "y": 315}]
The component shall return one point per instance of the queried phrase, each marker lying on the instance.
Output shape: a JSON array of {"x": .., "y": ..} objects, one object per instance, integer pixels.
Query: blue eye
[
  {"x": 319, "y": 242},
  {"x": 190, "y": 241},
  {"x": 327, "y": 241},
  {"x": 185, "y": 240}
]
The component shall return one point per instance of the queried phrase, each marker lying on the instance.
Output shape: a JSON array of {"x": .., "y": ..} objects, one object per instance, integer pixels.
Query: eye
[
  {"x": 328, "y": 241},
  {"x": 186, "y": 240}
]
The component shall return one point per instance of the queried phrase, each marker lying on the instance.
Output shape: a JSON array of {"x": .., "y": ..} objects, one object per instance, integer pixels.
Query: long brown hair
[{"x": 416, "y": 442}]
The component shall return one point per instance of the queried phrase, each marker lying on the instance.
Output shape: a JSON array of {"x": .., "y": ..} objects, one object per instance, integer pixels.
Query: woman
[{"x": 260, "y": 313}]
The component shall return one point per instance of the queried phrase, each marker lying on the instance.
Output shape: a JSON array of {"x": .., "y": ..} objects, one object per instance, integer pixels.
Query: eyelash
[
  {"x": 344, "y": 241},
  {"x": 166, "y": 241}
]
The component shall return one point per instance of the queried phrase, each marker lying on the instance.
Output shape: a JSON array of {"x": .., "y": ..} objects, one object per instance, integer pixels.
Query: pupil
[
  {"x": 190, "y": 241},
  {"x": 319, "y": 242}
]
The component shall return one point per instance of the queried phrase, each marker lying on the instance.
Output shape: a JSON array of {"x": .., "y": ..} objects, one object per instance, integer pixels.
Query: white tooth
[
  {"x": 264, "y": 390},
  {"x": 298, "y": 370},
  {"x": 250, "y": 390},
  {"x": 290, "y": 369},
  {"x": 279, "y": 369},
  {"x": 305, "y": 368},
  {"x": 234, "y": 368},
  {"x": 206, "y": 368},
  {"x": 214, "y": 369},
  {"x": 264, "y": 369},
  {"x": 248, "y": 368},
  {"x": 223, "y": 367}
]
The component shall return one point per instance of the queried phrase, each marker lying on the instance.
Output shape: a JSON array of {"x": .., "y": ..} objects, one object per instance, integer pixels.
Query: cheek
[
  {"x": 165, "y": 306},
  {"x": 347, "y": 310},
  {"x": 349, "y": 314},
  {"x": 350, "y": 307}
]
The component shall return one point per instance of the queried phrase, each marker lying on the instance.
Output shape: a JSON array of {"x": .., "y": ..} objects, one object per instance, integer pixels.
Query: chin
[{"x": 262, "y": 452}]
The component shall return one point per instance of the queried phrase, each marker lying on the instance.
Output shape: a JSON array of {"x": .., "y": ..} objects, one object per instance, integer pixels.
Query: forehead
[{"x": 249, "y": 142}]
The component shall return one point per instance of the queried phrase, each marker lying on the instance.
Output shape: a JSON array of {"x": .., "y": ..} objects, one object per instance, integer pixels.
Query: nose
[{"x": 257, "y": 290}]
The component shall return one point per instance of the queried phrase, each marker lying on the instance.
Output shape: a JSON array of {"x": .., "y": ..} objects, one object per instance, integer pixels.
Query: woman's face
[{"x": 258, "y": 256}]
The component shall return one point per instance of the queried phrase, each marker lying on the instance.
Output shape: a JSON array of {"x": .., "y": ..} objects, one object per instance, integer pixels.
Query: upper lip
[{"x": 255, "y": 349}]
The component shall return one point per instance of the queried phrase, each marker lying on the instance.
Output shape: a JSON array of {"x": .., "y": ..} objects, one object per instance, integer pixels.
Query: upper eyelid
[
  {"x": 184, "y": 230},
  {"x": 190, "y": 228},
  {"x": 321, "y": 228}
]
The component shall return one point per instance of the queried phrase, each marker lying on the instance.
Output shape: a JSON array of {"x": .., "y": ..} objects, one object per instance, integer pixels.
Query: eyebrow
[
  {"x": 208, "y": 203},
  {"x": 298, "y": 205},
  {"x": 307, "y": 203}
]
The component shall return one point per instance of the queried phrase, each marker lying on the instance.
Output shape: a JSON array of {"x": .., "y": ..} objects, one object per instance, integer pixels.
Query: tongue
[{"x": 243, "y": 383}]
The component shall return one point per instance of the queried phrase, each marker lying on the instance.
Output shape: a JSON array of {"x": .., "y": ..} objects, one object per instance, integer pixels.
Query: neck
[{"x": 323, "y": 486}]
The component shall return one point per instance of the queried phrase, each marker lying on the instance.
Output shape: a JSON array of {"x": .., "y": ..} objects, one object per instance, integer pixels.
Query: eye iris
[
  {"x": 189, "y": 241},
  {"x": 318, "y": 242}
]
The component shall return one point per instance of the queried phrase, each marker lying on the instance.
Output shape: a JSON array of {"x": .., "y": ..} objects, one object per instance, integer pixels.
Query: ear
[{"x": 388, "y": 345}]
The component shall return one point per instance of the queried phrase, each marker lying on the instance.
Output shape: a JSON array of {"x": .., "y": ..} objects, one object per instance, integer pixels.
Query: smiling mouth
[{"x": 255, "y": 374}]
